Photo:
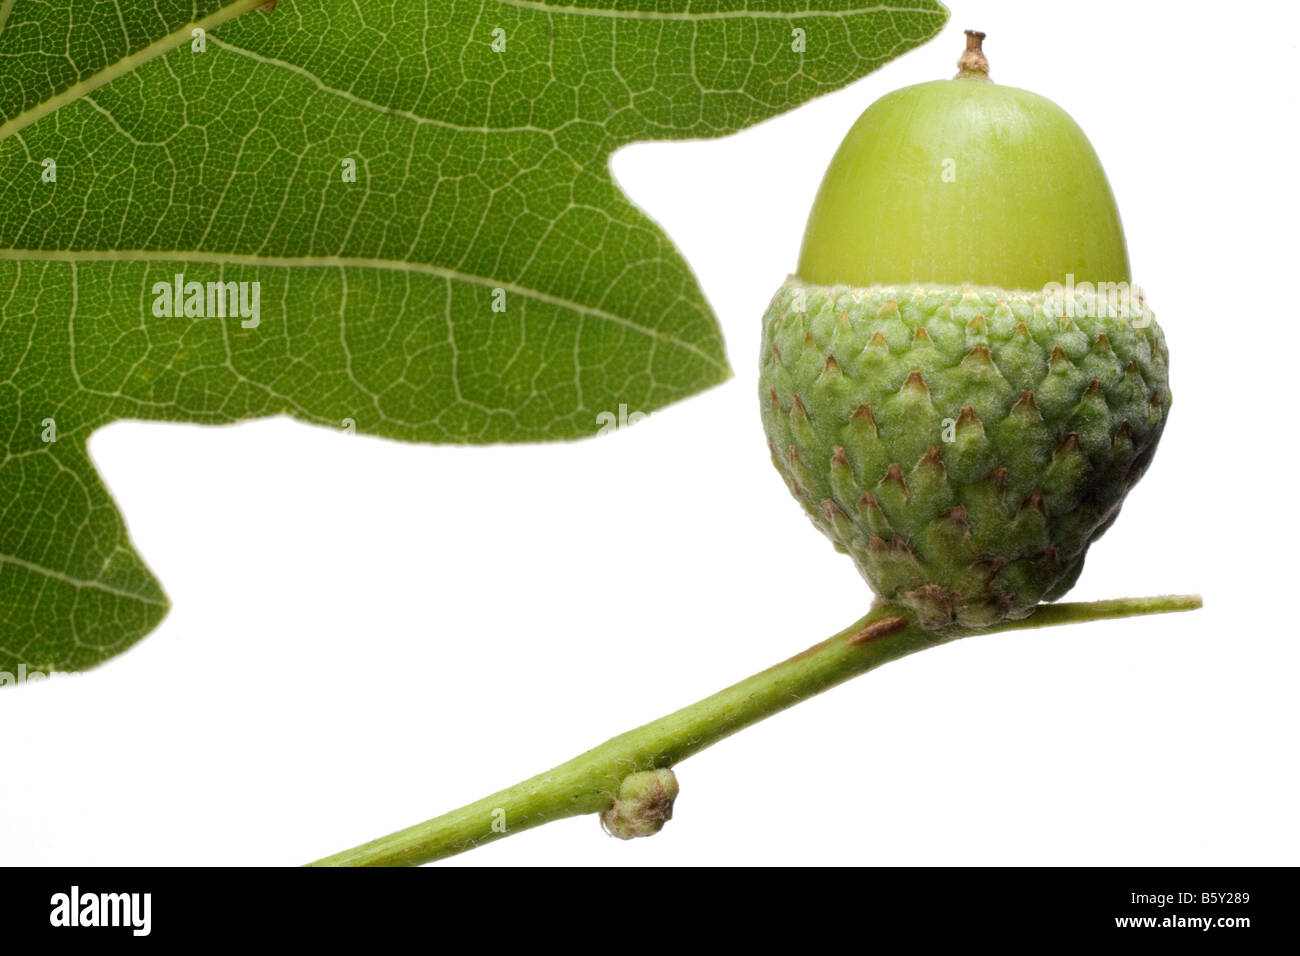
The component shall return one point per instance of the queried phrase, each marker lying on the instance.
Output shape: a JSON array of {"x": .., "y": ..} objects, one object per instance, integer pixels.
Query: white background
[{"x": 367, "y": 633}]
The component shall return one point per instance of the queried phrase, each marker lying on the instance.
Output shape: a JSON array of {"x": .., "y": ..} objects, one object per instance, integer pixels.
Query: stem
[
  {"x": 973, "y": 65},
  {"x": 589, "y": 783}
]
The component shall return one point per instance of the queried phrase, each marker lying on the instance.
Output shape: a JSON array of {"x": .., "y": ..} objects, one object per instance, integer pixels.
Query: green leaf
[{"x": 481, "y": 280}]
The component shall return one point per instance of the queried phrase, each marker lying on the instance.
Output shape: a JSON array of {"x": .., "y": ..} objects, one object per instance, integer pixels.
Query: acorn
[{"x": 961, "y": 383}]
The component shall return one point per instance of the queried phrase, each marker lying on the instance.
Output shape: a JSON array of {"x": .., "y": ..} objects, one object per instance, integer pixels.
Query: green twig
[{"x": 589, "y": 783}]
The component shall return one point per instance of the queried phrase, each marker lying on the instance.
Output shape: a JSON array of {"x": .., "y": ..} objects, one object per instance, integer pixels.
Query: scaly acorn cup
[{"x": 960, "y": 385}]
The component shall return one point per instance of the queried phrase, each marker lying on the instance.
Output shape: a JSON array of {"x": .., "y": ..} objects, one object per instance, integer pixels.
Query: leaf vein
[
  {"x": 78, "y": 583},
  {"x": 346, "y": 262},
  {"x": 688, "y": 17}
]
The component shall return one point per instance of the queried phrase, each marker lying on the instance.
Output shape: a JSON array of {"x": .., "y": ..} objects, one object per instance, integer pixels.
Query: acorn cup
[{"x": 961, "y": 383}]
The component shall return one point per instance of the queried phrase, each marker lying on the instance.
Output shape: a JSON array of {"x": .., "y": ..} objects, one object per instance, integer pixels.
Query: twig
[{"x": 591, "y": 782}]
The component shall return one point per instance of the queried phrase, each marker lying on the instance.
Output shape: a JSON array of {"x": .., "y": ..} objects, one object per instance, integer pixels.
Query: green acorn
[{"x": 961, "y": 383}]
